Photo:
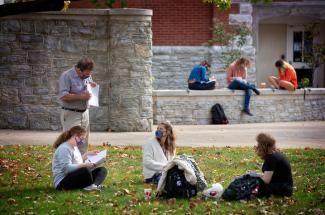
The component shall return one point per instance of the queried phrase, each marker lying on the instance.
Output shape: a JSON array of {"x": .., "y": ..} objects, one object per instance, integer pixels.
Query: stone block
[
  {"x": 74, "y": 46},
  {"x": 41, "y": 27},
  {"x": 4, "y": 49},
  {"x": 39, "y": 121},
  {"x": 245, "y": 8},
  {"x": 52, "y": 43},
  {"x": 98, "y": 115},
  {"x": 11, "y": 26},
  {"x": 27, "y": 26},
  {"x": 81, "y": 32},
  {"x": 9, "y": 96},
  {"x": 30, "y": 99},
  {"x": 7, "y": 38},
  {"x": 18, "y": 121},
  {"x": 97, "y": 46},
  {"x": 38, "y": 57},
  {"x": 238, "y": 19}
]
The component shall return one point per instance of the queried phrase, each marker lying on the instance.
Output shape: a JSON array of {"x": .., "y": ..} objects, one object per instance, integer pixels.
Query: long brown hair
[
  {"x": 265, "y": 145},
  {"x": 68, "y": 134},
  {"x": 242, "y": 62},
  {"x": 170, "y": 142}
]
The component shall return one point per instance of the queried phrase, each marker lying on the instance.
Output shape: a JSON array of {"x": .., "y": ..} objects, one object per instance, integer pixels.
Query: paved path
[{"x": 288, "y": 135}]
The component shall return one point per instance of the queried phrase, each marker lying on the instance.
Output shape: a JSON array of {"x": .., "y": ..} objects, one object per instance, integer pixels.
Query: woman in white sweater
[
  {"x": 158, "y": 152},
  {"x": 69, "y": 170}
]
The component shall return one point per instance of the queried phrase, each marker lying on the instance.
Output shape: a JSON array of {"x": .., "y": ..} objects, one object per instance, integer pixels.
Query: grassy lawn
[{"x": 26, "y": 184}]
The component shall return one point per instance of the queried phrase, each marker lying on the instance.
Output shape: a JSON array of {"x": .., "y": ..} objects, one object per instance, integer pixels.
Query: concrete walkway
[{"x": 288, "y": 135}]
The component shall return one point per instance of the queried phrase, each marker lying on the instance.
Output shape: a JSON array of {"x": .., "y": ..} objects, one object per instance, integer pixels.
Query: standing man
[{"x": 74, "y": 96}]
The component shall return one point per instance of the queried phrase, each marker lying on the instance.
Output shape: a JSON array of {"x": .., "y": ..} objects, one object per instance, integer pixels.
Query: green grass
[{"x": 26, "y": 184}]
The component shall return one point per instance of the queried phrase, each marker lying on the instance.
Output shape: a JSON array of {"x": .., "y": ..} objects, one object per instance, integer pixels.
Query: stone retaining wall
[
  {"x": 171, "y": 65},
  {"x": 36, "y": 48},
  {"x": 193, "y": 107}
]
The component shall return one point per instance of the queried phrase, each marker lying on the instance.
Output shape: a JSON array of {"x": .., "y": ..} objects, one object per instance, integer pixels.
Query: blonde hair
[
  {"x": 68, "y": 134},
  {"x": 265, "y": 145},
  {"x": 170, "y": 142}
]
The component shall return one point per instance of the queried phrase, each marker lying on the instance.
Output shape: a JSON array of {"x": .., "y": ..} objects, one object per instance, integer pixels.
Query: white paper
[
  {"x": 94, "y": 91},
  {"x": 98, "y": 158}
]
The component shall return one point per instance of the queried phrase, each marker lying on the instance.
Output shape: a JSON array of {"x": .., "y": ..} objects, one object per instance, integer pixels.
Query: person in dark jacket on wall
[
  {"x": 199, "y": 80},
  {"x": 277, "y": 175}
]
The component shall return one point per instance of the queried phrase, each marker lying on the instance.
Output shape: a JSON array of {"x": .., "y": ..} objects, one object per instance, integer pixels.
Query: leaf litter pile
[{"x": 26, "y": 183}]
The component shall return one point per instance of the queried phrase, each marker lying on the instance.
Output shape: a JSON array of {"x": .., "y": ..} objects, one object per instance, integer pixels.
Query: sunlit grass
[{"x": 26, "y": 184}]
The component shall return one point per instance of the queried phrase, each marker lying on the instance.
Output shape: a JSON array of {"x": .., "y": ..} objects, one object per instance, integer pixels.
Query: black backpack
[
  {"x": 177, "y": 186},
  {"x": 218, "y": 115},
  {"x": 245, "y": 187}
]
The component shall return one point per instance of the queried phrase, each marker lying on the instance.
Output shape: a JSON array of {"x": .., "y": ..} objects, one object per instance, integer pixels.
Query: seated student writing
[
  {"x": 277, "y": 176},
  {"x": 199, "y": 80},
  {"x": 287, "y": 78},
  {"x": 158, "y": 152},
  {"x": 69, "y": 170},
  {"x": 236, "y": 78}
]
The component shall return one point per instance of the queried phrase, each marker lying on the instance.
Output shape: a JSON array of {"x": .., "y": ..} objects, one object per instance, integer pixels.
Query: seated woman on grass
[
  {"x": 69, "y": 170},
  {"x": 277, "y": 176},
  {"x": 158, "y": 152}
]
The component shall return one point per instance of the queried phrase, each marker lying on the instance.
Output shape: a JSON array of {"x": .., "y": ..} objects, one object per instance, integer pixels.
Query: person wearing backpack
[
  {"x": 236, "y": 78},
  {"x": 158, "y": 152},
  {"x": 199, "y": 80},
  {"x": 277, "y": 175}
]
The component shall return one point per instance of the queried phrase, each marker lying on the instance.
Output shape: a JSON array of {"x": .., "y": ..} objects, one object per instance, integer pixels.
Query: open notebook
[{"x": 97, "y": 159}]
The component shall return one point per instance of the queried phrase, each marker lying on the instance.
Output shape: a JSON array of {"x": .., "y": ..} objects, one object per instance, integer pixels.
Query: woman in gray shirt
[{"x": 69, "y": 169}]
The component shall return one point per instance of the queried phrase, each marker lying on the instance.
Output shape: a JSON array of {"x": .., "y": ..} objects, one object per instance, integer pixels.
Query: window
[{"x": 302, "y": 45}]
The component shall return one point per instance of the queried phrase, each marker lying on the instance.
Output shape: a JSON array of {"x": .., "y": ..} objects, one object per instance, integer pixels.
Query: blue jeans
[
  {"x": 154, "y": 179},
  {"x": 240, "y": 85}
]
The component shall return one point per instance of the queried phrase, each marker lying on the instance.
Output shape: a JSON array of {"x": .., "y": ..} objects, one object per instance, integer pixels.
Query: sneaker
[
  {"x": 91, "y": 187},
  {"x": 247, "y": 112},
  {"x": 214, "y": 192},
  {"x": 256, "y": 91},
  {"x": 100, "y": 187}
]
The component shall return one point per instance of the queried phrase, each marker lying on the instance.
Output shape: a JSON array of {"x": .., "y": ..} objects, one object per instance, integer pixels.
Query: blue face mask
[
  {"x": 159, "y": 134},
  {"x": 80, "y": 141}
]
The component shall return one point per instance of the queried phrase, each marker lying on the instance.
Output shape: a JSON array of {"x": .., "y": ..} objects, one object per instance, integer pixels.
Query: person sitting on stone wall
[
  {"x": 236, "y": 78},
  {"x": 287, "y": 79},
  {"x": 198, "y": 79},
  {"x": 158, "y": 152}
]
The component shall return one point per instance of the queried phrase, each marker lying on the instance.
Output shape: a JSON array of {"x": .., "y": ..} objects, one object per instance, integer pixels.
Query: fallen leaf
[{"x": 11, "y": 201}]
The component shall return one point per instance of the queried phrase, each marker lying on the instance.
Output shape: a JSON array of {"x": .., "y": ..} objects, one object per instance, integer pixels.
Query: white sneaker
[
  {"x": 214, "y": 192},
  {"x": 100, "y": 187},
  {"x": 91, "y": 187}
]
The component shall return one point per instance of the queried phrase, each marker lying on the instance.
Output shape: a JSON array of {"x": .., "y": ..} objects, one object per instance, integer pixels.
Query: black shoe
[
  {"x": 247, "y": 112},
  {"x": 256, "y": 91}
]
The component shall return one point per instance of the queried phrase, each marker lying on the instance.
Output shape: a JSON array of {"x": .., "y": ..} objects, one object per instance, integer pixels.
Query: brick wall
[{"x": 180, "y": 23}]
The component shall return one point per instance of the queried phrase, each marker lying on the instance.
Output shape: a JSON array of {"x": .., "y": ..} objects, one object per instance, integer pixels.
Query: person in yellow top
[{"x": 287, "y": 76}]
